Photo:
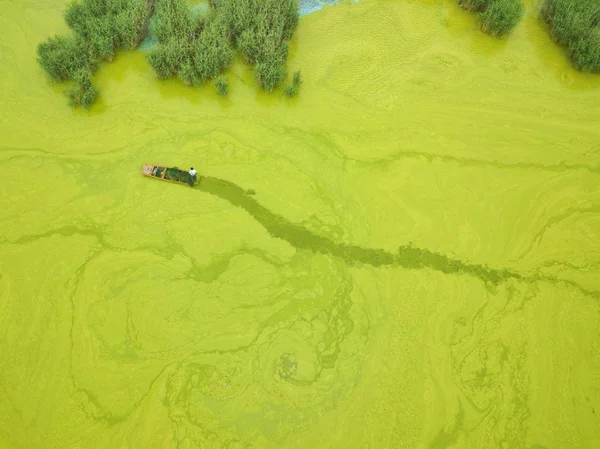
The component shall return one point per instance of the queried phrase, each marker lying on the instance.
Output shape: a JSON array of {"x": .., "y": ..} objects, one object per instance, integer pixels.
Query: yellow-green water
[{"x": 419, "y": 266}]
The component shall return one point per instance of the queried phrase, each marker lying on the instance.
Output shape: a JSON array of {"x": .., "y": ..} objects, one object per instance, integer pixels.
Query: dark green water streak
[{"x": 407, "y": 256}]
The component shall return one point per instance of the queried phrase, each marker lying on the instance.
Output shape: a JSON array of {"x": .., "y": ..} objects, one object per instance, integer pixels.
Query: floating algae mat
[{"x": 419, "y": 266}]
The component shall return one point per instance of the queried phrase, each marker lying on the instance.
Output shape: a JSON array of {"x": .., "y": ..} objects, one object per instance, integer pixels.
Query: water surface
[{"x": 407, "y": 255}]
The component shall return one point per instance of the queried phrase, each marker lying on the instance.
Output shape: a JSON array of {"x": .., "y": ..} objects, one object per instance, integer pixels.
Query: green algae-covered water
[{"x": 407, "y": 255}]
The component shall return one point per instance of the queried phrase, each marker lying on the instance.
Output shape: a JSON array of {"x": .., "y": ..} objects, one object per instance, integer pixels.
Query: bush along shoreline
[
  {"x": 194, "y": 47},
  {"x": 575, "y": 25},
  {"x": 100, "y": 29},
  {"x": 496, "y": 17}
]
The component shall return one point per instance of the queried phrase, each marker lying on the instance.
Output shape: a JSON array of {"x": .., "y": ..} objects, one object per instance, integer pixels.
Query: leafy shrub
[
  {"x": 222, "y": 85},
  {"x": 173, "y": 20},
  {"x": 187, "y": 73},
  {"x": 101, "y": 27},
  {"x": 585, "y": 53},
  {"x": 133, "y": 24},
  {"x": 261, "y": 31},
  {"x": 574, "y": 24},
  {"x": 82, "y": 93},
  {"x": 109, "y": 25},
  {"x": 501, "y": 16},
  {"x": 279, "y": 17},
  {"x": 194, "y": 48},
  {"x": 213, "y": 51},
  {"x": 496, "y": 17},
  {"x": 164, "y": 59},
  {"x": 292, "y": 91},
  {"x": 62, "y": 57},
  {"x": 270, "y": 72}
]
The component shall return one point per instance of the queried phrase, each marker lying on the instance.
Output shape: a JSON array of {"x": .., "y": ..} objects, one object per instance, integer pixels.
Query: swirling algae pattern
[{"x": 407, "y": 255}]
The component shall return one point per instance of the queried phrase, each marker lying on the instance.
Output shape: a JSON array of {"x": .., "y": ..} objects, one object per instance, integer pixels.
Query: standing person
[{"x": 192, "y": 176}]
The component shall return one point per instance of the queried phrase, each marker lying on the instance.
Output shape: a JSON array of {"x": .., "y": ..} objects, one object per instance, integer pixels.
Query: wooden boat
[{"x": 171, "y": 174}]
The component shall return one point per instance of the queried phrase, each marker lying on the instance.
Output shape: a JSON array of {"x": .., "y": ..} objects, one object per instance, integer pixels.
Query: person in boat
[{"x": 193, "y": 173}]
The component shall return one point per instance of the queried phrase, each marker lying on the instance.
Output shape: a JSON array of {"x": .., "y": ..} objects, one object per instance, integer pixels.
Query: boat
[{"x": 171, "y": 174}]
